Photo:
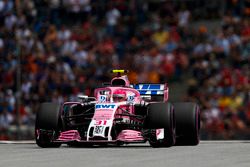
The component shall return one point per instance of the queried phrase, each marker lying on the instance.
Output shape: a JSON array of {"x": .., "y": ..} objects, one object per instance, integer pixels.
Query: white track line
[
  {"x": 201, "y": 142},
  {"x": 223, "y": 141},
  {"x": 17, "y": 142}
]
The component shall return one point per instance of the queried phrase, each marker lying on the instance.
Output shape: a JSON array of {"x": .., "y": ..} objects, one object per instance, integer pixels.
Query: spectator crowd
[{"x": 52, "y": 50}]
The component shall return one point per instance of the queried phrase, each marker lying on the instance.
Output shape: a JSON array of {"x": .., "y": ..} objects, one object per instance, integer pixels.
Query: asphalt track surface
[{"x": 206, "y": 154}]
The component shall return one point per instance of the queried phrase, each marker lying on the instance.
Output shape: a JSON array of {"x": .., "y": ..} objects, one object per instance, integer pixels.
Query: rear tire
[
  {"x": 187, "y": 116},
  {"x": 47, "y": 124},
  {"x": 161, "y": 115}
]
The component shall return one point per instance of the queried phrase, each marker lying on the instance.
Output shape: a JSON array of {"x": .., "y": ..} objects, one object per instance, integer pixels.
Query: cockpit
[{"x": 115, "y": 94}]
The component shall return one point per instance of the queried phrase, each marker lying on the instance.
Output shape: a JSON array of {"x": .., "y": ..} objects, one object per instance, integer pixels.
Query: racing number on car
[
  {"x": 99, "y": 126},
  {"x": 101, "y": 122}
]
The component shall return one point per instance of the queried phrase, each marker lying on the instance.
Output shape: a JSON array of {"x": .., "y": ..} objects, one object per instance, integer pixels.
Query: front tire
[
  {"x": 161, "y": 115},
  {"x": 47, "y": 125}
]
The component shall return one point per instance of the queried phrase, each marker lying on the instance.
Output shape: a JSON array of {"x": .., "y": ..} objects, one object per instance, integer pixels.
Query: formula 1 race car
[{"x": 119, "y": 113}]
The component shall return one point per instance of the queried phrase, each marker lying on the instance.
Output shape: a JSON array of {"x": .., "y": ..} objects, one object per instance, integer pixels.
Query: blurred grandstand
[{"x": 51, "y": 50}]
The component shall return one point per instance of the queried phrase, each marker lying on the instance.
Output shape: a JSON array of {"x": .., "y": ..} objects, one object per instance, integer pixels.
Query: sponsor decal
[
  {"x": 149, "y": 86},
  {"x": 102, "y": 98},
  {"x": 131, "y": 98},
  {"x": 105, "y": 106},
  {"x": 98, "y": 129}
]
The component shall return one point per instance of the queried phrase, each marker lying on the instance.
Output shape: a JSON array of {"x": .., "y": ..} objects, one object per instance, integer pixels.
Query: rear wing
[{"x": 152, "y": 90}]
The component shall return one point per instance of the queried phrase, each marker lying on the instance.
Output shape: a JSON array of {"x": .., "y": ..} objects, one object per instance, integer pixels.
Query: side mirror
[{"x": 86, "y": 98}]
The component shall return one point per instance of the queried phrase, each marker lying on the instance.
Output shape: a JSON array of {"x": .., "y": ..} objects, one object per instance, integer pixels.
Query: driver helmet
[{"x": 119, "y": 95}]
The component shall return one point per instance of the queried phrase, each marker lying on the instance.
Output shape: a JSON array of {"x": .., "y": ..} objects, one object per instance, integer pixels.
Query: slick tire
[
  {"x": 161, "y": 115},
  {"x": 47, "y": 125},
  {"x": 187, "y": 116}
]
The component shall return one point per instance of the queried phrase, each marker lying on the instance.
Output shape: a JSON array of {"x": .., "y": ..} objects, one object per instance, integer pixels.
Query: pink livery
[{"x": 119, "y": 113}]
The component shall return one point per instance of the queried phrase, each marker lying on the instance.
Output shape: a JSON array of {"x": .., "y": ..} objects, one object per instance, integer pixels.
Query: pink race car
[{"x": 119, "y": 113}]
